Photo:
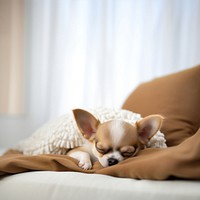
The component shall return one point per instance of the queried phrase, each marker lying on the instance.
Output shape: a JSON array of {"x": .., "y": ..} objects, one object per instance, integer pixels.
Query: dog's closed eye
[
  {"x": 101, "y": 149},
  {"x": 127, "y": 151}
]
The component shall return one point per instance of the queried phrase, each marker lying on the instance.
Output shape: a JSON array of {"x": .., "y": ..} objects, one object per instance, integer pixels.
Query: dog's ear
[
  {"x": 148, "y": 127},
  {"x": 86, "y": 122}
]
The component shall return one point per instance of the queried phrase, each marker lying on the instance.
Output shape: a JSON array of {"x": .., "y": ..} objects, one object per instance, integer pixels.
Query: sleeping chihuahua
[{"x": 113, "y": 141}]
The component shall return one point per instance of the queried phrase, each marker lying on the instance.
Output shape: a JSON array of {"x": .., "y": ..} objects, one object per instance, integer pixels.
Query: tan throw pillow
[{"x": 176, "y": 97}]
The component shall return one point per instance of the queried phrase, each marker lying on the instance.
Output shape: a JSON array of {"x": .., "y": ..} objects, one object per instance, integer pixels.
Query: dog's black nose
[{"x": 112, "y": 161}]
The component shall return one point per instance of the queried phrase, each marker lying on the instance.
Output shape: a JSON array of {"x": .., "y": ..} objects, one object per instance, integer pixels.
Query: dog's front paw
[{"x": 85, "y": 164}]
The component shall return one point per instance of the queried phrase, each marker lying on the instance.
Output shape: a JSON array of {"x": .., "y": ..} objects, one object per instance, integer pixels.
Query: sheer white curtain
[{"x": 88, "y": 53}]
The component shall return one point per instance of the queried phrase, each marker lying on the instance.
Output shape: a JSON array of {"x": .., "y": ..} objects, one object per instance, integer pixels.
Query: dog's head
[{"x": 115, "y": 140}]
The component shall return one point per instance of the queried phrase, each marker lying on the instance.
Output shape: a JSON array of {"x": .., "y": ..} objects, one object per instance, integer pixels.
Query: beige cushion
[{"x": 176, "y": 97}]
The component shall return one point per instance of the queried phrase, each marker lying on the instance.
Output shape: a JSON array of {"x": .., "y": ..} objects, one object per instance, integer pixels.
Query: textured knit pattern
[{"x": 62, "y": 134}]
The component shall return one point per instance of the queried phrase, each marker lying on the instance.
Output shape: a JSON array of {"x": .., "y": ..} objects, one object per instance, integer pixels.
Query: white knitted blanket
[{"x": 62, "y": 134}]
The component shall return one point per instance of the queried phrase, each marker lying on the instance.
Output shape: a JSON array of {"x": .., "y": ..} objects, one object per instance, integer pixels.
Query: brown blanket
[{"x": 181, "y": 161}]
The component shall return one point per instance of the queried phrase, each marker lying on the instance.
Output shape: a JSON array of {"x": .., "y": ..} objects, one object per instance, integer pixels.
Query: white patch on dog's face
[{"x": 116, "y": 132}]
